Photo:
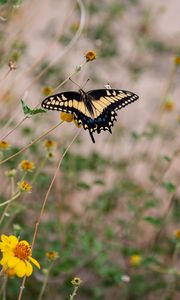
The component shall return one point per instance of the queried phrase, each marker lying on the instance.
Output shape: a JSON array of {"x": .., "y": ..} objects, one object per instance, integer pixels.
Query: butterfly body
[{"x": 94, "y": 110}]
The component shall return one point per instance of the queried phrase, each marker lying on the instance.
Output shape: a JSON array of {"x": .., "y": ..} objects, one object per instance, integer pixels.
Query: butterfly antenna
[
  {"x": 74, "y": 82},
  {"x": 85, "y": 83}
]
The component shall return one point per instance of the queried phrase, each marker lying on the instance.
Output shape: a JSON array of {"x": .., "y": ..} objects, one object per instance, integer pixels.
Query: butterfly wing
[
  {"x": 66, "y": 102},
  {"x": 105, "y": 103}
]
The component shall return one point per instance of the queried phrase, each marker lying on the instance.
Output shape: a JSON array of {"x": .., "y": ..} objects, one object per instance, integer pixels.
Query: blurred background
[{"x": 113, "y": 214}]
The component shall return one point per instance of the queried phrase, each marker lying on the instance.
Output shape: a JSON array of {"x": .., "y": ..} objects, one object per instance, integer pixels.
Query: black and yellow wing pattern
[{"x": 94, "y": 110}]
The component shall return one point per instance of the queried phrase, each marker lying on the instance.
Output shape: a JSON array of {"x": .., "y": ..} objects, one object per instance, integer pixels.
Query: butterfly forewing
[{"x": 67, "y": 101}]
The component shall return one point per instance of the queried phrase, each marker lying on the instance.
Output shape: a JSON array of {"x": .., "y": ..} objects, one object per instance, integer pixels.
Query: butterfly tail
[{"x": 92, "y": 137}]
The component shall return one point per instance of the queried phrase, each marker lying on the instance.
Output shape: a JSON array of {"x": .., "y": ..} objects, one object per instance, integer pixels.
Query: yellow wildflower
[
  {"x": 66, "y": 117},
  {"x": 168, "y": 105},
  {"x": 177, "y": 60},
  {"x": 76, "y": 281},
  {"x": 47, "y": 90},
  {"x": 24, "y": 186},
  {"x": 17, "y": 256},
  {"x": 135, "y": 259},
  {"x": 90, "y": 55},
  {"x": 27, "y": 165},
  {"x": 4, "y": 145},
  {"x": 177, "y": 234},
  {"x": 52, "y": 255},
  {"x": 50, "y": 144}
]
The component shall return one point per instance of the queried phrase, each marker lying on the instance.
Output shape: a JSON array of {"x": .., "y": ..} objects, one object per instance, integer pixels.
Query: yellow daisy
[
  {"x": 90, "y": 55},
  {"x": 135, "y": 260},
  {"x": 4, "y": 145},
  {"x": 52, "y": 255},
  {"x": 24, "y": 186},
  {"x": 17, "y": 256},
  {"x": 76, "y": 281},
  {"x": 27, "y": 165},
  {"x": 66, "y": 117}
]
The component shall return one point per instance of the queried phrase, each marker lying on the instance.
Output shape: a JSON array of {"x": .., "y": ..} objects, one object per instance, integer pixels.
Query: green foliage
[
  {"x": 155, "y": 221},
  {"x": 30, "y": 112},
  {"x": 169, "y": 186}
]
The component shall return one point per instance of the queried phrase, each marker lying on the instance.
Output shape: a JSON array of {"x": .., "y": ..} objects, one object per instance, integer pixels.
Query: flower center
[{"x": 22, "y": 251}]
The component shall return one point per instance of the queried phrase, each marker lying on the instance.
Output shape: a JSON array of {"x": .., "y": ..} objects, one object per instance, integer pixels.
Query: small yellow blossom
[
  {"x": 135, "y": 259},
  {"x": 27, "y": 165},
  {"x": 4, "y": 145},
  {"x": 24, "y": 186},
  {"x": 168, "y": 105},
  {"x": 177, "y": 234},
  {"x": 50, "y": 144},
  {"x": 177, "y": 60},
  {"x": 90, "y": 55},
  {"x": 16, "y": 256},
  {"x": 76, "y": 281},
  {"x": 47, "y": 90},
  {"x": 66, "y": 117},
  {"x": 52, "y": 255}
]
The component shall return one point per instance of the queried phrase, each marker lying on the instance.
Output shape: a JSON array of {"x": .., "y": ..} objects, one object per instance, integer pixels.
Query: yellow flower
[
  {"x": 4, "y": 145},
  {"x": 17, "y": 256},
  {"x": 168, "y": 105},
  {"x": 27, "y": 165},
  {"x": 177, "y": 60},
  {"x": 52, "y": 255},
  {"x": 177, "y": 234},
  {"x": 135, "y": 259},
  {"x": 76, "y": 281},
  {"x": 47, "y": 90},
  {"x": 24, "y": 186},
  {"x": 90, "y": 55},
  {"x": 66, "y": 117},
  {"x": 50, "y": 144}
]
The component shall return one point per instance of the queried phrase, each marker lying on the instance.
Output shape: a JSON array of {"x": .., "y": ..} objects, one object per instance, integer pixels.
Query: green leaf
[
  {"x": 28, "y": 111},
  {"x": 83, "y": 185},
  {"x": 153, "y": 220},
  {"x": 170, "y": 187},
  {"x": 3, "y": 2}
]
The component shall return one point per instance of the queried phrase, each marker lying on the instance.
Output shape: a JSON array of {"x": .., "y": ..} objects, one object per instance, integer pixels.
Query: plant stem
[
  {"x": 72, "y": 296},
  {"x": 44, "y": 204},
  {"x": 45, "y": 281},
  {"x": 32, "y": 143}
]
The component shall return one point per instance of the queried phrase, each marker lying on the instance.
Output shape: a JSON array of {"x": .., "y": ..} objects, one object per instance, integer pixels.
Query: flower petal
[
  {"x": 13, "y": 240},
  {"x": 20, "y": 268},
  {"x": 35, "y": 262},
  {"x": 12, "y": 262},
  {"x": 29, "y": 269},
  {"x": 24, "y": 242}
]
